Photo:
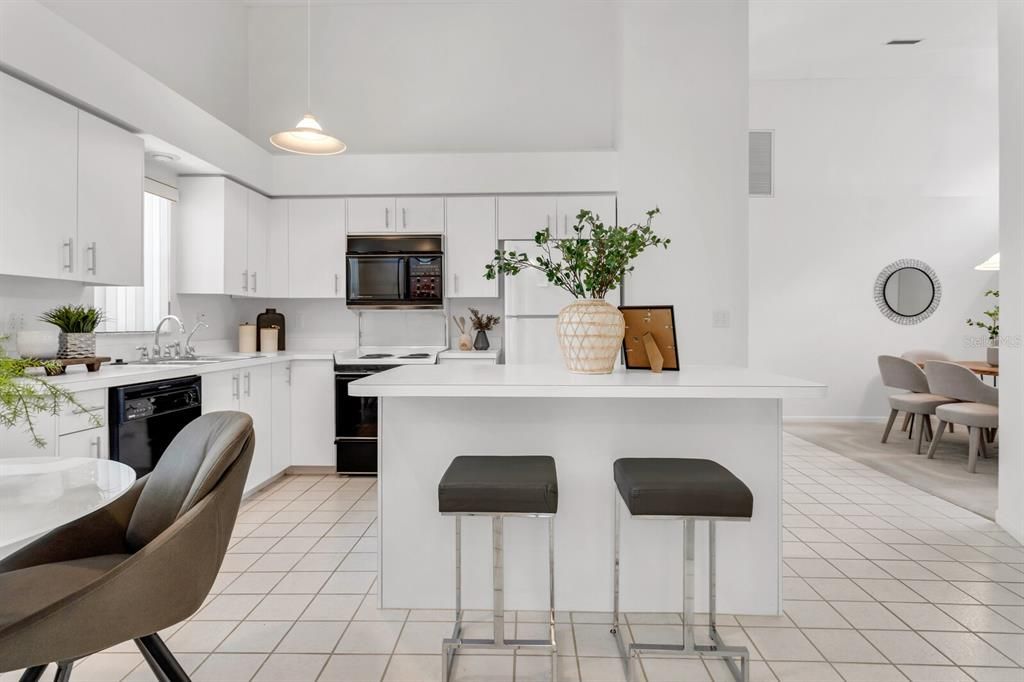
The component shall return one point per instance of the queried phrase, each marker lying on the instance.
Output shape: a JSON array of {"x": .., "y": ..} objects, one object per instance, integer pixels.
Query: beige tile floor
[{"x": 882, "y": 582}]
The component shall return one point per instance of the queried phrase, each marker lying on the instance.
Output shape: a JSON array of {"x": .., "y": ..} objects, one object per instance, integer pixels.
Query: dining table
[
  {"x": 979, "y": 367},
  {"x": 38, "y": 494}
]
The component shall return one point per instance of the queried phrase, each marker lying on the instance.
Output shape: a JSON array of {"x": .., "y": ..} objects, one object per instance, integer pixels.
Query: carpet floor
[{"x": 945, "y": 476}]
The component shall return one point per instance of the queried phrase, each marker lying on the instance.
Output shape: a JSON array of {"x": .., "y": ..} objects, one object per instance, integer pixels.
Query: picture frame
[{"x": 659, "y": 322}]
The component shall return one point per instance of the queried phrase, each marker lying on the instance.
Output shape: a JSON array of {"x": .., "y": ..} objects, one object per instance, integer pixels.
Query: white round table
[{"x": 38, "y": 494}]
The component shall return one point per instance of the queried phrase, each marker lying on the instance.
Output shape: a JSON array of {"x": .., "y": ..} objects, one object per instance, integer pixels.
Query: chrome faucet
[
  {"x": 190, "y": 350},
  {"x": 156, "y": 335}
]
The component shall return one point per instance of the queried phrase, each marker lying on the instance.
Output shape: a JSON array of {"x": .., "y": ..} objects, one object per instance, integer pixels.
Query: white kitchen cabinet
[
  {"x": 277, "y": 250},
  {"x": 250, "y": 391},
  {"x": 569, "y": 206},
  {"x": 313, "y": 413},
  {"x": 17, "y": 442},
  {"x": 522, "y": 216},
  {"x": 89, "y": 413},
  {"x": 316, "y": 248},
  {"x": 368, "y": 215},
  {"x": 471, "y": 238},
  {"x": 217, "y": 237},
  {"x": 281, "y": 417},
  {"x": 38, "y": 183},
  {"x": 421, "y": 214},
  {"x": 111, "y": 171},
  {"x": 257, "y": 237},
  {"x": 92, "y": 443}
]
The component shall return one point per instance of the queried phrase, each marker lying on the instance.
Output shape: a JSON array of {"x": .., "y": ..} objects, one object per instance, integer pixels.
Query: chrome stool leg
[{"x": 450, "y": 645}]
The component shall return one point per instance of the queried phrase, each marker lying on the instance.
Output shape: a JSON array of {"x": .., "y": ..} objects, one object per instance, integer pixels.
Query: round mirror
[{"x": 907, "y": 291}]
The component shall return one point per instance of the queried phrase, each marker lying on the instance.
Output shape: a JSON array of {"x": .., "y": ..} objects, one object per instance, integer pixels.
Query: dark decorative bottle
[{"x": 265, "y": 320}]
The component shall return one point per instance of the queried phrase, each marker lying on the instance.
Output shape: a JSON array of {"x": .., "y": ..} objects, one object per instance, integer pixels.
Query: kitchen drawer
[
  {"x": 91, "y": 443},
  {"x": 74, "y": 418}
]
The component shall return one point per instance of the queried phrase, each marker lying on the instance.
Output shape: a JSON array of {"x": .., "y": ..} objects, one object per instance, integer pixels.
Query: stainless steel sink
[{"x": 191, "y": 362}]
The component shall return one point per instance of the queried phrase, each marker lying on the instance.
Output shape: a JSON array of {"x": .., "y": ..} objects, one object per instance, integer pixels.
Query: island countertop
[{"x": 554, "y": 381}]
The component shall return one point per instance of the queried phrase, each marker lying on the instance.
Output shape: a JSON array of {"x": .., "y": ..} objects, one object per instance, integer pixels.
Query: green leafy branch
[
  {"x": 24, "y": 396},
  {"x": 590, "y": 263},
  {"x": 992, "y": 326}
]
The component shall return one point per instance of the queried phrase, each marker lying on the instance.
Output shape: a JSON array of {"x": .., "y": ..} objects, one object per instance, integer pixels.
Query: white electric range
[{"x": 355, "y": 419}]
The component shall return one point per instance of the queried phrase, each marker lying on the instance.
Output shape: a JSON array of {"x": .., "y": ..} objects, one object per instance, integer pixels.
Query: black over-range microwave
[{"x": 394, "y": 271}]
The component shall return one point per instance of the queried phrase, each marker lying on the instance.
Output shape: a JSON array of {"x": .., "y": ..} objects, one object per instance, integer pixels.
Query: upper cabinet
[
  {"x": 421, "y": 214},
  {"x": 472, "y": 237},
  {"x": 38, "y": 183},
  {"x": 110, "y": 188},
  {"x": 71, "y": 190},
  {"x": 371, "y": 215},
  {"x": 277, "y": 250},
  {"x": 316, "y": 248},
  {"x": 223, "y": 233},
  {"x": 522, "y": 216}
]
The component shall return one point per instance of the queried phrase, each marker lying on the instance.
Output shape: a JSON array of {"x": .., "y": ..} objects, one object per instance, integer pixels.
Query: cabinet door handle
[
  {"x": 234, "y": 386},
  {"x": 565, "y": 225},
  {"x": 288, "y": 378},
  {"x": 95, "y": 444},
  {"x": 87, "y": 410},
  {"x": 245, "y": 280},
  {"x": 547, "y": 222},
  {"x": 455, "y": 283},
  {"x": 387, "y": 217},
  {"x": 248, "y": 384},
  {"x": 254, "y": 282},
  {"x": 91, "y": 249},
  {"x": 336, "y": 278},
  {"x": 404, "y": 222},
  {"x": 70, "y": 246}
]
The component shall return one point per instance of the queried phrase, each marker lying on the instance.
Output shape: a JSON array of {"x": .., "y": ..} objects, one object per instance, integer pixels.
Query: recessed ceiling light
[
  {"x": 164, "y": 157},
  {"x": 900, "y": 41}
]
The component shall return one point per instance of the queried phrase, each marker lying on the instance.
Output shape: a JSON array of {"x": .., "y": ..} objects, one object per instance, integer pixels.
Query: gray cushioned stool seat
[
  {"x": 488, "y": 484},
  {"x": 681, "y": 487}
]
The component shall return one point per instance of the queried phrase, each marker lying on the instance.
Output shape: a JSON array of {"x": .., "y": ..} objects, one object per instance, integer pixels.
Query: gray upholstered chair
[
  {"x": 918, "y": 404},
  {"x": 979, "y": 411},
  {"x": 142, "y": 563},
  {"x": 919, "y": 356}
]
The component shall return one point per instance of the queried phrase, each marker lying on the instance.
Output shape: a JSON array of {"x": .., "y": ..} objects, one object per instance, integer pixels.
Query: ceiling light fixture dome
[
  {"x": 991, "y": 265},
  {"x": 308, "y": 136}
]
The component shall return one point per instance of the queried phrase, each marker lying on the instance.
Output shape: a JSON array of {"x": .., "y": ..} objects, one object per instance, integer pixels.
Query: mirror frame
[{"x": 888, "y": 271}]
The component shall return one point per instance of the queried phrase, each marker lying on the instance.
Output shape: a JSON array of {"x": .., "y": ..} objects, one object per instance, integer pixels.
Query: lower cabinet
[
  {"x": 246, "y": 390},
  {"x": 313, "y": 413},
  {"x": 92, "y": 443},
  {"x": 280, "y": 417}
]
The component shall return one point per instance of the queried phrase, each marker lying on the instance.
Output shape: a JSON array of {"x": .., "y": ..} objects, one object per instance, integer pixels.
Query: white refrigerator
[{"x": 531, "y": 309}]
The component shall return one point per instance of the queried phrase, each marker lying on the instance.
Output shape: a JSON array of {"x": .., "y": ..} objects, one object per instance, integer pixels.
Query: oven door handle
[{"x": 403, "y": 278}]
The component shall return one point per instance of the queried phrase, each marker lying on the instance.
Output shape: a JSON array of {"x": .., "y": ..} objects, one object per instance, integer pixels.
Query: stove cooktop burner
[
  {"x": 376, "y": 356},
  {"x": 414, "y": 356}
]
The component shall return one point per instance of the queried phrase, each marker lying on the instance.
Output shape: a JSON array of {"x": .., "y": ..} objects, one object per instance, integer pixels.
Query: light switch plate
[{"x": 721, "y": 319}]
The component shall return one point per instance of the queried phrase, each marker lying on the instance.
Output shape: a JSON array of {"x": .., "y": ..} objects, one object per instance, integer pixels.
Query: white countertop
[
  {"x": 78, "y": 379},
  {"x": 553, "y": 381}
]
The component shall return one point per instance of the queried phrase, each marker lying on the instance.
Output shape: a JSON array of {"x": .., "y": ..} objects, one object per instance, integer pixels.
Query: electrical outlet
[{"x": 721, "y": 319}]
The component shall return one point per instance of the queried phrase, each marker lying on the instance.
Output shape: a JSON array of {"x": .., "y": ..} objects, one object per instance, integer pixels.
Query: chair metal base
[
  {"x": 35, "y": 673},
  {"x": 689, "y": 647},
  {"x": 160, "y": 659},
  {"x": 452, "y": 644}
]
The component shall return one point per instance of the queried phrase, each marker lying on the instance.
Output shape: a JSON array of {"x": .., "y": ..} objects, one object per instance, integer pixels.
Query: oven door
[
  {"x": 355, "y": 428},
  {"x": 376, "y": 280}
]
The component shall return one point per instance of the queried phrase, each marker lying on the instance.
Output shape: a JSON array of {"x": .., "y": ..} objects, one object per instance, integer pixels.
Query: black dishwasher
[{"x": 145, "y": 418}]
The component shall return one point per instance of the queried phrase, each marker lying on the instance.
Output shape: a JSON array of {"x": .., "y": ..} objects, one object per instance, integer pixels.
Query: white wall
[
  {"x": 683, "y": 147},
  {"x": 429, "y": 77},
  {"x": 196, "y": 47},
  {"x": 868, "y": 171},
  {"x": 1010, "y": 512}
]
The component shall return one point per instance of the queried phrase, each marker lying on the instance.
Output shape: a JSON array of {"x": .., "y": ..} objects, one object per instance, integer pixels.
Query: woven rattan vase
[
  {"x": 590, "y": 335},
  {"x": 76, "y": 345}
]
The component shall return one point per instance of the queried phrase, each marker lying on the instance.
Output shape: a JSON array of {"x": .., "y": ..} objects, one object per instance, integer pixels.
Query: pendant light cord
[{"x": 308, "y": 109}]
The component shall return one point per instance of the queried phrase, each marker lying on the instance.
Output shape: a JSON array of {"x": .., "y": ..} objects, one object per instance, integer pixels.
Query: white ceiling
[{"x": 847, "y": 38}]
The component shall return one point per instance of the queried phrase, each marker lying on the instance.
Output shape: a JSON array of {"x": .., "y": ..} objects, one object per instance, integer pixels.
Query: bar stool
[
  {"x": 690, "y": 490},
  {"x": 499, "y": 486}
]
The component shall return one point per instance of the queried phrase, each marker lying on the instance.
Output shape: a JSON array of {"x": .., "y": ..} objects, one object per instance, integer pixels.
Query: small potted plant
[
  {"x": 589, "y": 264},
  {"x": 24, "y": 395},
  {"x": 482, "y": 324},
  {"x": 77, "y": 324},
  {"x": 992, "y": 327}
]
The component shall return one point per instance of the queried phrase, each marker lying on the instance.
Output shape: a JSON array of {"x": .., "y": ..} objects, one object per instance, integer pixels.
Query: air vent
[{"x": 762, "y": 152}]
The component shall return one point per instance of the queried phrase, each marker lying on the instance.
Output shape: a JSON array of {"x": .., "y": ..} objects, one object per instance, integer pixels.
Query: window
[{"x": 139, "y": 309}]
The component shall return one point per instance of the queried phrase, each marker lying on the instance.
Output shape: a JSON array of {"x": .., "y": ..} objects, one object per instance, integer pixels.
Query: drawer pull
[{"x": 86, "y": 410}]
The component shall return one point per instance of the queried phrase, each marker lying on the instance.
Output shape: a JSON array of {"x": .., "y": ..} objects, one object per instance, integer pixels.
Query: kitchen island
[{"x": 430, "y": 414}]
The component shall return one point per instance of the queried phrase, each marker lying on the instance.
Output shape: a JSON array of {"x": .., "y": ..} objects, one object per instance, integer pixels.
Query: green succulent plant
[
  {"x": 74, "y": 319},
  {"x": 992, "y": 325},
  {"x": 24, "y": 396},
  {"x": 592, "y": 262}
]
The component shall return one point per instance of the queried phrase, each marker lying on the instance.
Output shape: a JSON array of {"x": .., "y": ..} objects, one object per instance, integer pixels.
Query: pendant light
[
  {"x": 307, "y": 137},
  {"x": 992, "y": 264}
]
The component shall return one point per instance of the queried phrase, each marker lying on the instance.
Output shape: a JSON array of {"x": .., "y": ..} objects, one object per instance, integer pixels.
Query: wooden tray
[{"x": 91, "y": 364}]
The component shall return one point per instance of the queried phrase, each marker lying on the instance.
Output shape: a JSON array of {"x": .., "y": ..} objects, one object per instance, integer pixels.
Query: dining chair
[
  {"x": 140, "y": 564},
  {"x": 918, "y": 356},
  {"x": 919, "y": 403},
  {"x": 978, "y": 411}
]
